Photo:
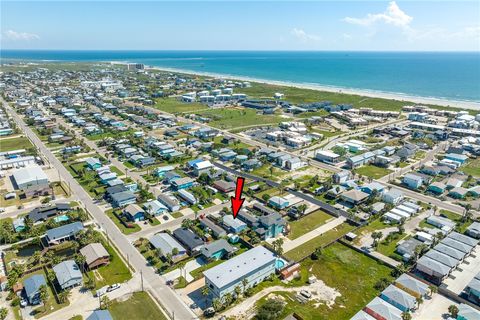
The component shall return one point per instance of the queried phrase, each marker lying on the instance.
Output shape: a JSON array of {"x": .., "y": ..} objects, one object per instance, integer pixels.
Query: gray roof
[
  {"x": 33, "y": 283},
  {"x": 360, "y": 315},
  {"x": 457, "y": 245},
  {"x": 467, "y": 312},
  {"x": 409, "y": 282},
  {"x": 166, "y": 243},
  {"x": 64, "y": 231},
  {"x": 188, "y": 238},
  {"x": 433, "y": 265},
  {"x": 93, "y": 251},
  {"x": 442, "y": 258},
  {"x": 213, "y": 247},
  {"x": 272, "y": 219},
  {"x": 100, "y": 315},
  {"x": 385, "y": 309},
  {"x": 212, "y": 226},
  {"x": 474, "y": 284},
  {"x": 449, "y": 251},
  {"x": 240, "y": 266},
  {"x": 400, "y": 296},
  {"x": 66, "y": 271},
  {"x": 29, "y": 175},
  {"x": 122, "y": 196},
  {"x": 463, "y": 238},
  {"x": 230, "y": 221}
]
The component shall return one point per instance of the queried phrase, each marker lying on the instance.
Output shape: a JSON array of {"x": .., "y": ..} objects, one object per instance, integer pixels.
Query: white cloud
[
  {"x": 303, "y": 36},
  {"x": 20, "y": 36},
  {"x": 393, "y": 15}
]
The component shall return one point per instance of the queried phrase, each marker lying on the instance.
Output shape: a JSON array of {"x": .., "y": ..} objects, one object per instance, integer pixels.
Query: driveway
[{"x": 185, "y": 271}]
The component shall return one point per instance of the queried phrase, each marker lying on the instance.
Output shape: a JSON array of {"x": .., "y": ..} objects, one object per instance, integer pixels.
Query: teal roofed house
[
  {"x": 456, "y": 157},
  {"x": 270, "y": 226},
  {"x": 93, "y": 163},
  {"x": 217, "y": 250},
  {"x": 437, "y": 187}
]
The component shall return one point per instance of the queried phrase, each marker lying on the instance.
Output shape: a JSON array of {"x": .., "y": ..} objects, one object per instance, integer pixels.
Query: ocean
[{"x": 440, "y": 75}]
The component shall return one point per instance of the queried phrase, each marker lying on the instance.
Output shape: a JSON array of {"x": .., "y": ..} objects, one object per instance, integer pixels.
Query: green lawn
[
  {"x": 14, "y": 144},
  {"x": 115, "y": 272},
  {"x": 372, "y": 171},
  {"x": 307, "y": 223},
  {"x": 176, "y": 214},
  {"x": 349, "y": 272},
  {"x": 120, "y": 225},
  {"x": 461, "y": 226},
  {"x": 116, "y": 170},
  {"x": 388, "y": 248},
  {"x": 308, "y": 247},
  {"x": 138, "y": 306},
  {"x": 264, "y": 171},
  {"x": 172, "y": 105},
  {"x": 472, "y": 167},
  {"x": 230, "y": 118}
]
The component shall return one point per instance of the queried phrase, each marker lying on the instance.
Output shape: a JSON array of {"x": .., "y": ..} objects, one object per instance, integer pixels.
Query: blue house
[
  {"x": 160, "y": 171},
  {"x": 456, "y": 157},
  {"x": 93, "y": 163},
  {"x": 31, "y": 285},
  {"x": 155, "y": 207},
  {"x": 234, "y": 225},
  {"x": 217, "y": 250},
  {"x": 134, "y": 213},
  {"x": 123, "y": 198},
  {"x": 182, "y": 183},
  {"x": 278, "y": 202},
  {"x": 100, "y": 315},
  {"x": 437, "y": 187},
  {"x": 270, "y": 226},
  {"x": 228, "y": 156},
  {"x": 412, "y": 181},
  {"x": 369, "y": 188},
  {"x": 399, "y": 298}
]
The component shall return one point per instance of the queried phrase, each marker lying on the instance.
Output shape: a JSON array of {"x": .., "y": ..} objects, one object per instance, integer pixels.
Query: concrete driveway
[{"x": 185, "y": 272}]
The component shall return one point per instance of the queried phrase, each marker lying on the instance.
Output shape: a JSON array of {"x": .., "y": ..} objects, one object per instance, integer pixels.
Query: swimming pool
[
  {"x": 279, "y": 263},
  {"x": 62, "y": 218}
]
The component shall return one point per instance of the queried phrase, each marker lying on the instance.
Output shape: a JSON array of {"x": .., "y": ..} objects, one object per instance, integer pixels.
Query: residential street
[{"x": 167, "y": 297}]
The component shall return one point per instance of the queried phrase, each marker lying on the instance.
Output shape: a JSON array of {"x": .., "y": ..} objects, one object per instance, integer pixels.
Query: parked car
[
  {"x": 306, "y": 294},
  {"x": 23, "y": 302},
  {"x": 113, "y": 287},
  {"x": 2, "y": 210},
  {"x": 100, "y": 292}
]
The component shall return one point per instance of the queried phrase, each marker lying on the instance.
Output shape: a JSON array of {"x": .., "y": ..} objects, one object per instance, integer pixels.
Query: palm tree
[
  {"x": 80, "y": 260},
  {"x": 237, "y": 290},
  {"x": 217, "y": 304},
  {"x": 453, "y": 309},
  {"x": 406, "y": 315},
  {"x": 244, "y": 284},
  {"x": 433, "y": 290},
  {"x": 43, "y": 296},
  {"x": 3, "y": 313},
  {"x": 105, "y": 302},
  {"x": 63, "y": 296},
  {"x": 205, "y": 293}
]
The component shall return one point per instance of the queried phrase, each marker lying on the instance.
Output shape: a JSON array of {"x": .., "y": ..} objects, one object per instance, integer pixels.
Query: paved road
[{"x": 168, "y": 298}]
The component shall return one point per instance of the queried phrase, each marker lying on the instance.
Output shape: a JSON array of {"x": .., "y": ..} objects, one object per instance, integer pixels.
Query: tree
[
  {"x": 43, "y": 296},
  {"x": 228, "y": 299},
  {"x": 90, "y": 283},
  {"x": 302, "y": 208},
  {"x": 317, "y": 253},
  {"x": 3, "y": 313},
  {"x": 278, "y": 246},
  {"x": 433, "y": 290},
  {"x": 381, "y": 284},
  {"x": 237, "y": 290},
  {"x": 205, "y": 293},
  {"x": 105, "y": 302},
  {"x": 217, "y": 304},
  {"x": 80, "y": 260},
  {"x": 270, "y": 310},
  {"x": 63, "y": 296},
  {"x": 376, "y": 235},
  {"x": 244, "y": 284},
  {"x": 453, "y": 310},
  {"x": 406, "y": 315}
]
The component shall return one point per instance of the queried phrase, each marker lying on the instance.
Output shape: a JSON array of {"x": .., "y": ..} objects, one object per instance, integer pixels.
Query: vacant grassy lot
[
  {"x": 472, "y": 168},
  {"x": 135, "y": 227},
  {"x": 14, "y": 144},
  {"x": 298, "y": 96},
  {"x": 307, "y": 223},
  {"x": 373, "y": 172},
  {"x": 172, "y": 105},
  {"x": 349, "y": 272},
  {"x": 230, "y": 118},
  {"x": 138, "y": 306},
  {"x": 308, "y": 247}
]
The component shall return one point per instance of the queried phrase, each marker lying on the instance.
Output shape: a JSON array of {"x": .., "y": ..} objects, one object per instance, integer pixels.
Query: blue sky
[{"x": 246, "y": 25}]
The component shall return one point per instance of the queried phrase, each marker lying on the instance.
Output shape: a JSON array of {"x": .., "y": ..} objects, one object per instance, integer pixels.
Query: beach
[{"x": 471, "y": 105}]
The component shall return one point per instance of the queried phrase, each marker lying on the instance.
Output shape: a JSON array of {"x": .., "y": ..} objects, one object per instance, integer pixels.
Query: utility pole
[{"x": 141, "y": 276}]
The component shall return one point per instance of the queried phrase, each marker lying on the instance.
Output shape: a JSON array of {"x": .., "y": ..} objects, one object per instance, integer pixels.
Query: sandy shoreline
[{"x": 367, "y": 93}]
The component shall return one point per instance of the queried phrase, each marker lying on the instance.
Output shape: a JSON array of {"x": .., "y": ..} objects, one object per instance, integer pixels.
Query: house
[
  {"x": 160, "y": 171},
  {"x": 124, "y": 198},
  {"x": 169, "y": 201},
  {"x": 262, "y": 209},
  {"x": 474, "y": 230},
  {"x": 68, "y": 274},
  {"x": 217, "y": 250},
  {"x": 270, "y": 226},
  {"x": 19, "y": 224},
  {"x": 433, "y": 270},
  {"x": 134, "y": 213},
  {"x": 437, "y": 187},
  {"x": 32, "y": 285},
  {"x": 407, "y": 248},
  {"x": 442, "y": 223},
  {"x": 182, "y": 183},
  {"x": 393, "y": 196},
  {"x": 463, "y": 239},
  {"x": 93, "y": 163},
  {"x": 278, "y": 202},
  {"x": 234, "y": 225},
  {"x": 201, "y": 167},
  {"x": 341, "y": 177},
  {"x": 406, "y": 151},
  {"x": 63, "y": 233},
  {"x": 209, "y": 225},
  {"x": 254, "y": 265},
  {"x": 31, "y": 180},
  {"x": 155, "y": 207},
  {"x": 412, "y": 285},
  {"x": 166, "y": 244},
  {"x": 466, "y": 312},
  {"x": 460, "y": 158},
  {"x": 189, "y": 239},
  {"x": 360, "y": 315},
  {"x": 43, "y": 213},
  {"x": 399, "y": 298},
  {"x": 354, "y": 196},
  {"x": 95, "y": 255},
  {"x": 412, "y": 181},
  {"x": 373, "y": 186},
  {"x": 458, "y": 193},
  {"x": 382, "y": 310},
  {"x": 251, "y": 164},
  {"x": 294, "y": 163},
  {"x": 442, "y": 258},
  {"x": 473, "y": 289},
  {"x": 100, "y": 315},
  {"x": 449, "y": 251},
  {"x": 327, "y": 156},
  {"x": 224, "y": 186}
]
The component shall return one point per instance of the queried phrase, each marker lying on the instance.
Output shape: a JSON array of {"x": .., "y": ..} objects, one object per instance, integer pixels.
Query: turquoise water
[
  {"x": 279, "y": 264},
  {"x": 61, "y": 218},
  {"x": 453, "y": 76}
]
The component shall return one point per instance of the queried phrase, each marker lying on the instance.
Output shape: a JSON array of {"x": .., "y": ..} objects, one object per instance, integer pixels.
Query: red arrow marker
[{"x": 237, "y": 201}]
